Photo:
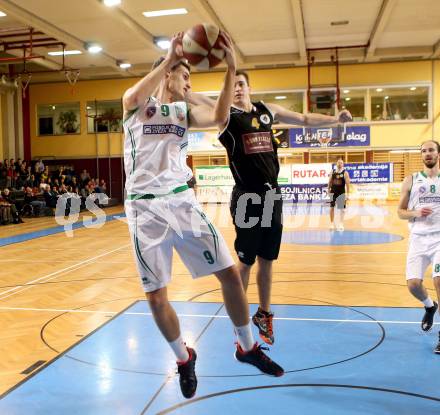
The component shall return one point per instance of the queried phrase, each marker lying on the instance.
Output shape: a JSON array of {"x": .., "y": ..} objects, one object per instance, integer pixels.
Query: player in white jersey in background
[
  {"x": 420, "y": 205},
  {"x": 163, "y": 212}
]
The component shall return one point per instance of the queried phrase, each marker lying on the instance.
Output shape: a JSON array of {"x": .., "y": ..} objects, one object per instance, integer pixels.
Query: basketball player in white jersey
[
  {"x": 162, "y": 210},
  {"x": 420, "y": 205}
]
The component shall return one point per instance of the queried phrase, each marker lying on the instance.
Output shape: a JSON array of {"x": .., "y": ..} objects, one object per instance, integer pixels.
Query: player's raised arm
[
  {"x": 138, "y": 93},
  {"x": 309, "y": 120}
]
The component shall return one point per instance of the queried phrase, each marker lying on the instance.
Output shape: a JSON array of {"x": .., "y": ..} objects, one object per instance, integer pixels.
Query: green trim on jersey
[
  {"x": 133, "y": 149},
  {"x": 153, "y": 196},
  {"x": 130, "y": 114},
  {"x": 212, "y": 229},
  {"x": 424, "y": 174},
  {"x": 139, "y": 254}
]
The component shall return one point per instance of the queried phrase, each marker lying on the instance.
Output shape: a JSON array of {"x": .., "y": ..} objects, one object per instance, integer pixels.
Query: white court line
[
  {"x": 326, "y": 320},
  {"x": 54, "y": 274},
  {"x": 60, "y": 261},
  {"x": 345, "y": 252}
]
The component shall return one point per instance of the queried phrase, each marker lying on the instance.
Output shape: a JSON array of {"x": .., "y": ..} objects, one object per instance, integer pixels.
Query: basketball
[{"x": 201, "y": 46}]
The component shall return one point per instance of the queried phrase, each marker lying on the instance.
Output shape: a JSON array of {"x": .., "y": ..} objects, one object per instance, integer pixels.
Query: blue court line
[
  {"x": 56, "y": 229},
  {"x": 332, "y": 368}
]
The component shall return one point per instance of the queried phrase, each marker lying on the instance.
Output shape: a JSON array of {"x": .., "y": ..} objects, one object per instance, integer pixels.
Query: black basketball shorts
[{"x": 258, "y": 226}]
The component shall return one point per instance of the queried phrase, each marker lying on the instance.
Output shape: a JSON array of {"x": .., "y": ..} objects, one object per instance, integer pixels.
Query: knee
[
  {"x": 157, "y": 301},
  {"x": 229, "y": 277},
  {"x": 414, "y": 284}
]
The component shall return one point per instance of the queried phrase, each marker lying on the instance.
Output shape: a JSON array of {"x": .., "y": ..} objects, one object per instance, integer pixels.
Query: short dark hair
[
  {"x": 432, "y": 141},
  {"x": 244, "y": 73},
  {"x": 182, "y": 62}
]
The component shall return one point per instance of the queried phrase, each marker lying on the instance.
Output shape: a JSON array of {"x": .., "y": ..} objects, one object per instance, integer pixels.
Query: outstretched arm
[
  {"x": 308, "y": 120},
  {"x": 138, "y": 93},
  {"x": 205, "y": 115}
]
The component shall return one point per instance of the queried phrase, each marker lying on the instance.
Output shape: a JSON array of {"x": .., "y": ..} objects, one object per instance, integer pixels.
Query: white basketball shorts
[
  {"x": 423, "y": 251},
  {"x": 174, "y": 221}
]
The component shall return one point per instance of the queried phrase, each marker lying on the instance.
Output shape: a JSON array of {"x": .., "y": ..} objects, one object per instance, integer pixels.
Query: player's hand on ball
[
  {"x": 345, "y": 116},
  {"x": 227, "y": 46},
  {"x": 175, "y": 51}
]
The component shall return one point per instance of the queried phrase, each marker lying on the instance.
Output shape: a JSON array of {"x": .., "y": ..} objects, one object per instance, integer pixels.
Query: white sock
[
  {"x": 427, "y": 302},
  {"x": 179, "y": 349},
  {"x": 245, "y": 337}
]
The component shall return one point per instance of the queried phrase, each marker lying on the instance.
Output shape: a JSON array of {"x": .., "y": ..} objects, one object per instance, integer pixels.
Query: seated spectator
[
  {"x": 4, "y": 179},
  {"x": 44, "y": 176},
  {"x": 32, "y": 205},
  {"x": 5, "y": 212},
  {"x": 50, "y": 197},
  {"x": 103, "y": 186},
  {"x": 6, "y": 195},
  {"x": 85, "y": 177},
  {"x": 31, "y": 182}
]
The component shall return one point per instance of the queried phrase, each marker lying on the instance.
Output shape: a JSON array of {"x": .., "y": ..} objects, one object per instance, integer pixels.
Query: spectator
[
  {"x": 7, "y": 196},
  {"x": 50, "y": 197},
  {"x": 103, "y": 186},
  {"x": 5, "y": 211},
  {"x": 85, "y": 177},
  {"x": 39, "y": 167},
  {"x": 31, "y": 199}
]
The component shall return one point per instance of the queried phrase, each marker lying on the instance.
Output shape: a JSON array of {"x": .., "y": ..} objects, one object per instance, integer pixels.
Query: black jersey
[
  {"x": 338, "y": 181},
  {"x": 252, "y": 150}
]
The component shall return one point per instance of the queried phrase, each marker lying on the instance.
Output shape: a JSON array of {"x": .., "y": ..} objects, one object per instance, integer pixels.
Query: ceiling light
[
  {"x": 162, "y": 43},
  {"x": 424, "y": 104},
  {"x": 280, "y": 97},
  {"x": 347, "y": 99},
  {"x": 66, "y": 52},
  {"x": 377, "y": 106},
  {"x": 339, "y": 23},
  {"x": 413, "y": 88},
  {"x": 386, "y": 97},
  {"x": 346, "y": 91},
  {"x": 124, "y": 65},
  {"x": 2, "y": 14},
  {"x": 166, "y": 12},
  {"x": 89, "y": 108},
  {"x": 93, "y": 48},
  {"x": 54, "y": 107},
  {"x": 379, "y": 89},
  {"x": 111, "y": 3}
]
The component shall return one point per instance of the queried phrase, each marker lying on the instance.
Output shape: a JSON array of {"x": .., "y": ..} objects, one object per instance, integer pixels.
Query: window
[
  {"x": 323, "y": 101},
  {"x": 399, "y": 103},
  {"x": 58, "y": 119},
  {"x": 104, "y": 116},
  {"x": 354, "y": 101},
  {"x": 292, "y": 101}
]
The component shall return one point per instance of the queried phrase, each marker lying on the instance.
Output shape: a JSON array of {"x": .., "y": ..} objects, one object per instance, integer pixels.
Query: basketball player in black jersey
[
  {"x": 256, "y": 205},
  {"x": 338, "y": 189}
]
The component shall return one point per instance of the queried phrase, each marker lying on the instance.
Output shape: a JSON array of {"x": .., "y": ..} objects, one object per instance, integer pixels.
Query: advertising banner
[
  {"x": 370, "y": 172},
  {"x": 330, "y": 136}
]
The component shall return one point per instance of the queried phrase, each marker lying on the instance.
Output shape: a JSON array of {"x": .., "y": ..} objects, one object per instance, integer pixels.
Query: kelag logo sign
[{"x": 330, "y": 136}]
